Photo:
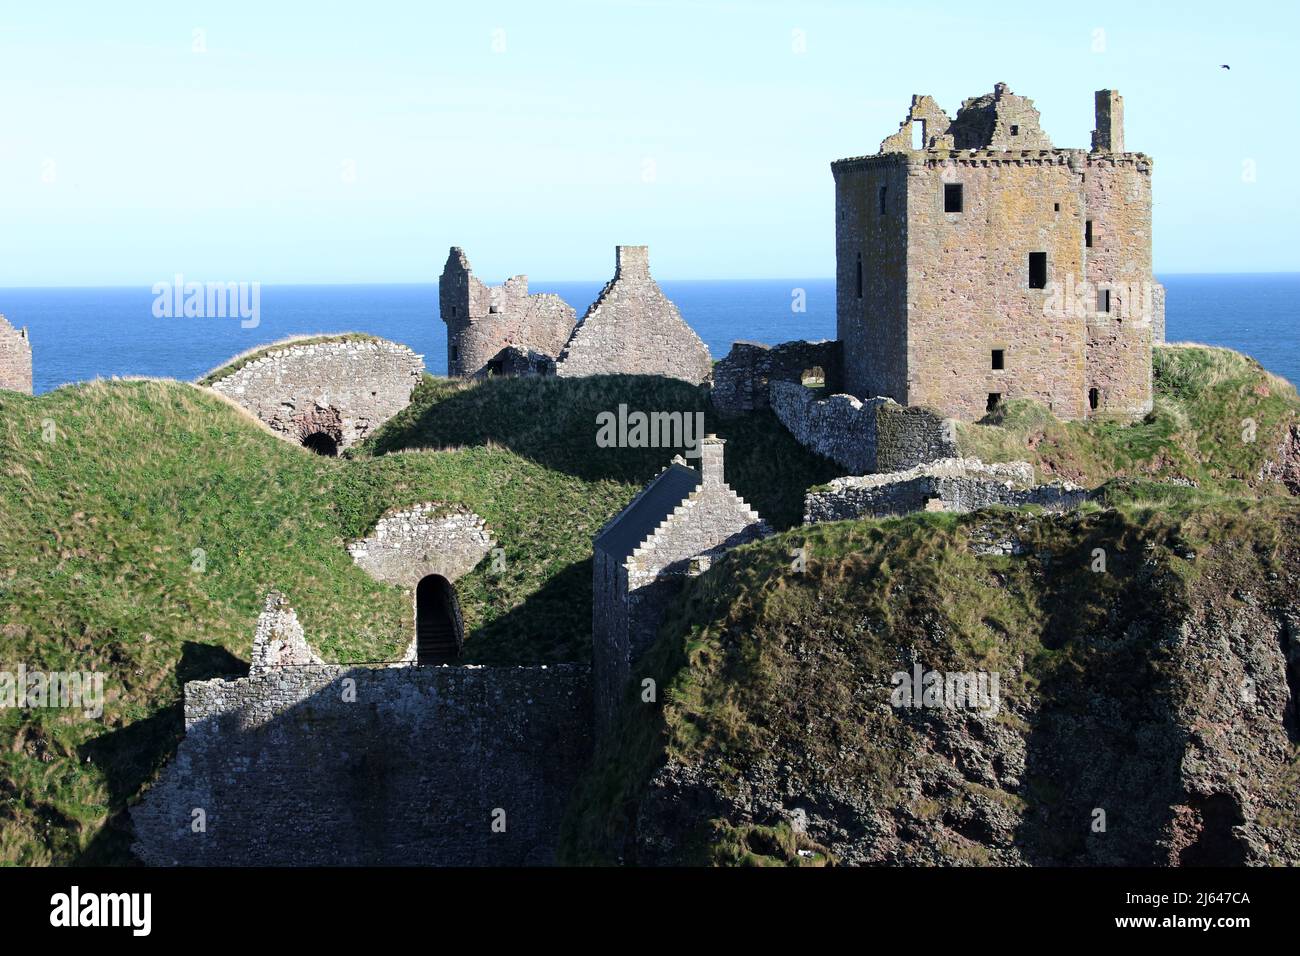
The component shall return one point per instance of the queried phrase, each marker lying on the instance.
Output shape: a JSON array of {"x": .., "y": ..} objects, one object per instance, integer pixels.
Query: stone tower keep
[
  {"x": 15, "y": 358},
  {"x": 976, "y": 262},
  {"x": 483, "y": 321}
]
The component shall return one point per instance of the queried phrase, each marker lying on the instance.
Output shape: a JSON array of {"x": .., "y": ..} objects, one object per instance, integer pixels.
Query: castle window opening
[
  {"x": 493, "y": 310},
  {"x": 1094, "y": 398},
  {"x": 1056, "y": 207},
  {"x": 999, "y": 360},
  {"x": 918, "y": 134},
  {"x": 814, "y": 377},
  {"x": 437, "y": 623},
  {"x": 995, "y": 399},
  {"x": 322, "y": 444},
  {"x": 1038, "y": 270},
  {"x": 859, "y": 275},
  {"x": 1015, "y": 130},
  {"x": 883, "y": 190},
  {"x": 1087, "y": 233},
  {"x": 952, "y": 198},
  {"x": 1103, "y": 300}
]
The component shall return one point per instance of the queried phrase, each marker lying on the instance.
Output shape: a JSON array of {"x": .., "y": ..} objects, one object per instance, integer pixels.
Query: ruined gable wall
[
  {"x": 410, "y": 543},
  {"x": 347, "y": 389},
  {"x": 1118, "y": 194},
  {"x": 968, "y": 291},
  {"x": 873, "y": 326},
  {"x": 634, "y": 329},
  {"x": 15, "y": 358},
  {"x": 289, "y": 772}
]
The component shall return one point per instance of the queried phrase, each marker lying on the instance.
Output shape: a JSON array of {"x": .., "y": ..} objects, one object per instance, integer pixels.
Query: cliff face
[{"x": 1145, "y": 711}]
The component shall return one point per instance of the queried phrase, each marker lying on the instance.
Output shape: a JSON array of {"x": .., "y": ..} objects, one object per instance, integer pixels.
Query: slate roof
[{"x": 647, "y": 511}]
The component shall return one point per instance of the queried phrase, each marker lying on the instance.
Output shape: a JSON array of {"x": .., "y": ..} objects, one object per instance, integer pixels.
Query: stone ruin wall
[
  {"x": 634, "y": 329},
  {"x": 346, "y": 390},
  {"x": 951, "y": 484},
  {"x": 863, "y": 437},
  {"x": 408, "y": 544},
  {"x": 309, "y": 764},
  {"x": 741, "y": 380},
  {"x": 15, "y": 358}
]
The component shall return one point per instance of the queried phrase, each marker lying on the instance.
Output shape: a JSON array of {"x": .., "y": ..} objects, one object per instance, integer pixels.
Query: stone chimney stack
[
  {"x": 711, "y": 460},
  {"x": 1108, "y": 137},
  {"x": 631, "y": 262}
]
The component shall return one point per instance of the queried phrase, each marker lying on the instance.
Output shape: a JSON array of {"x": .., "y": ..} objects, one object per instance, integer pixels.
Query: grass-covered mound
[
  {"x": 1120, "y": 689},
  {"x": 142, "y": 522},
  {"x": 1218, "y": 418}
]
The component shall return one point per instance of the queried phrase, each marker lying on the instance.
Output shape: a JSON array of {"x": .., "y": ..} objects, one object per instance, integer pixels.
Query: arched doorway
[
  {"x": 321, "y": 444},
  {"x": 437, "y": 621}
]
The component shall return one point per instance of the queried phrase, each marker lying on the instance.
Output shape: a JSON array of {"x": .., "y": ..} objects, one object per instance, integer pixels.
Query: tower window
[
  {"x": 1087, "y": 233},
  {"x": 918, "y": 134},
  {"x": 453, "y": 311},
  {"x": 999, "y": 360},
  {"x": 1103, "y": 300},
  {"x": 1094, "y": 398},
  {"x": 1015, "y": 130},
  {"x": 952, "y": 198},
  {"x": 1038, "y": 270},
  {"x": 883, "y": 191},
  {"x": 859, "y": 275},
  {"x": 1056, "y": 207}
]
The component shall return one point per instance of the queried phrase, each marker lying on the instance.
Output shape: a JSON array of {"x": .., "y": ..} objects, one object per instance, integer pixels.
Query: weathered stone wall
[
  {"x": 951, "y": 484},
  {"x": 408, "y": 544},
  {"x": 15, "y": 358},
  {"x": 339, "y": 765},
  {"x": 945, "y": 296},
  {"x": 741, "y": 379},
  {"x": 630, "y": 596},
  {"x": 863, "y": 437},
  {"x": 345, "y": 389},
  {"x": 483, "y": 320},
  {"x": 634, "y": 329}
]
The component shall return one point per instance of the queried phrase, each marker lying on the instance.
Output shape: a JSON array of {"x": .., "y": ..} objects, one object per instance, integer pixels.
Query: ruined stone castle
[
  {"x": 976, "y": 262},
  {"x": 631, "y": 329},
  {"x": 15, "y": 358}
]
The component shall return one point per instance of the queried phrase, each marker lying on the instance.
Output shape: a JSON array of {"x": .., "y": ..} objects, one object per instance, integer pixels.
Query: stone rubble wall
[
  {"x": 634, "y": 329},
  {"x": 741, "y": 380},
  {"x": 15, "y": 358},
  {"x": 952, "y": 484},
  {"x": 304, "y": 763},
  {"x": 345, "y": 389},
  {"x": 409, "y": 544},
  {"x": 863, "y": 437}
]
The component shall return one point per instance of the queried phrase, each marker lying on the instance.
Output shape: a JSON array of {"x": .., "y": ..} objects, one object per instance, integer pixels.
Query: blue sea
[{"x": 83, "y": 333}]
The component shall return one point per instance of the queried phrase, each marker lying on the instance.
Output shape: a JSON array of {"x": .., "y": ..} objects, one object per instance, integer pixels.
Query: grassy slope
[
  {"x": 98, "y": 531},
  {"x": 1205, "y": 400}
]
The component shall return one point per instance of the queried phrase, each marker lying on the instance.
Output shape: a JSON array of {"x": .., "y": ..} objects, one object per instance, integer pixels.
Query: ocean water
[{"x": 84, "y": 333}]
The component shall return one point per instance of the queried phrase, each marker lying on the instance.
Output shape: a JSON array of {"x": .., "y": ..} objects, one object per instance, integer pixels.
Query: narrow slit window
[
  {"x": 918, "y": 134},
  {"x": 883, "y": 191},
  {"x": 1087, "y": 233},
  {"x": 1103, "y": 300},
  {"x": 1056, "y": 207},
  {"x": 1094, "y": 398},
  {"x": 999, "y": 360},
  {"x": 1038, "y": 270},
  {"x": 859, "y": 277},
  {"x": 952, "y": 197}
]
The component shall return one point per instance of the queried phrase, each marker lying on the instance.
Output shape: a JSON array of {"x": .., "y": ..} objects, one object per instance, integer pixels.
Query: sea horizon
[{"x": 80, "y": 333}]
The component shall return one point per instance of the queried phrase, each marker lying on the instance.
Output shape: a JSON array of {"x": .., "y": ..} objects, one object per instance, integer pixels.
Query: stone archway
[
  {"x": 439, "y": 630},
  {"x": 322, "y": 444}
]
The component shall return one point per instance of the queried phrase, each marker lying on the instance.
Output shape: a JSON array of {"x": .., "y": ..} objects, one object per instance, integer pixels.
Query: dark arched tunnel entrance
[
  {"x": 321, "y": 444},
  {"x": 437, "y": 621}
]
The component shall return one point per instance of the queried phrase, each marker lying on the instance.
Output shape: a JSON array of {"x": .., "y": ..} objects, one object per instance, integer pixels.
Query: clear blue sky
[{"x": 356, "y": 141}]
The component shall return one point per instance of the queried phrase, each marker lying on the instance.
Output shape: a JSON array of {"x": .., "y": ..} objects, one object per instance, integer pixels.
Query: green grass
[{"x": 1218, "y": 416}]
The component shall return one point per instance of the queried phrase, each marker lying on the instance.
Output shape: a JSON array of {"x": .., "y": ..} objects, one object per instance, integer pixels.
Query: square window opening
[{"x": 999, "y": 360}]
